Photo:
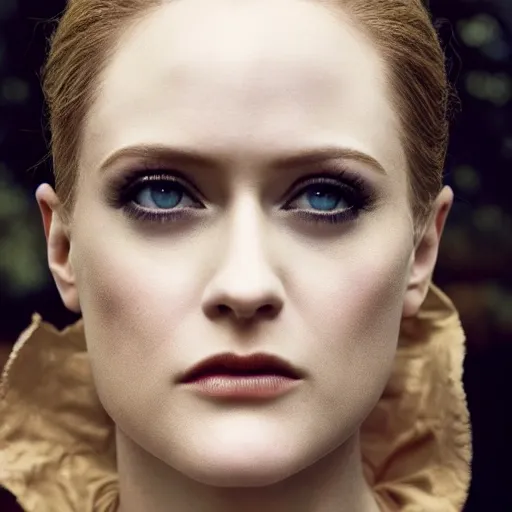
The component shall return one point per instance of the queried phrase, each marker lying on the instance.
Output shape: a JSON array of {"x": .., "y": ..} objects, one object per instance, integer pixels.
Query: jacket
[{"x": 57, "y": 444}]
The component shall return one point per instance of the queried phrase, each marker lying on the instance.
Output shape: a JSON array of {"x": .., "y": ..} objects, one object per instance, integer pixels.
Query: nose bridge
[
  {"x": 244, "y": 280},
  {"x": 246, "y": 261},
  {"x": 246, "y": 243}
]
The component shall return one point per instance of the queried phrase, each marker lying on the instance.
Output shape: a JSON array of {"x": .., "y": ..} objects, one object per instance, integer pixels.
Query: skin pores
[{"x": 241, "y": 273}]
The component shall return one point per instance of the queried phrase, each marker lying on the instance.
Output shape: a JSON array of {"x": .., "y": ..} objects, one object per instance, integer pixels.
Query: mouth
[{"x": 232, "y": 365}]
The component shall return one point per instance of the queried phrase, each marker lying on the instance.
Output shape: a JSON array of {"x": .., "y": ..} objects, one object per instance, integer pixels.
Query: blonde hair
[{"x": 401, "y": 30}]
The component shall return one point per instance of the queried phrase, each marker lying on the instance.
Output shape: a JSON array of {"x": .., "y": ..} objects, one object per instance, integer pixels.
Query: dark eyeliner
[
  {"x": 354, "y": 189},
  {"x": 126, "y": 186}
]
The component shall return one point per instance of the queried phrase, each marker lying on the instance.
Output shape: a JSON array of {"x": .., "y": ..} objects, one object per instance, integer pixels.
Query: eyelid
[
  {"x": 319, "y": 178},
  {"x": 147, "y": 174},
  {"x": 337, "y": 177},
  {"x": 144, "y": 172}
]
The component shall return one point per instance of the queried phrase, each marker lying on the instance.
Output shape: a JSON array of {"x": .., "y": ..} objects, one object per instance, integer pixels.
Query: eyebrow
[{"x": 192, "y": 157}]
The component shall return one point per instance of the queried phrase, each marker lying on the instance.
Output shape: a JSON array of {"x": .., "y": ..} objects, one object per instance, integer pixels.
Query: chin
[
  {"x": 239, "y": 466},
  {"x": 247, "y": 474}
]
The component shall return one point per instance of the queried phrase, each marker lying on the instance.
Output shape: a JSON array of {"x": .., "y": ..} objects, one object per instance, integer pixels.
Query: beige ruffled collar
[{"x": 57, "y": 446}]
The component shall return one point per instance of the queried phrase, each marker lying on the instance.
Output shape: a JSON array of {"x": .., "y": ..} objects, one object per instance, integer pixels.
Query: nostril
[
  {"x": 268, "y": 310},
  {"x": 223, "y": 309}
]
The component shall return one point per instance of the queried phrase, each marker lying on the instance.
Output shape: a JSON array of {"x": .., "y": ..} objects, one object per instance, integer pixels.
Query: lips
[{"x": 232, "y": 364}]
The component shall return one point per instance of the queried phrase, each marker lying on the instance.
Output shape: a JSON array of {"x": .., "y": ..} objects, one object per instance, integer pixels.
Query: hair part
[{"x": 401, "y": 30}]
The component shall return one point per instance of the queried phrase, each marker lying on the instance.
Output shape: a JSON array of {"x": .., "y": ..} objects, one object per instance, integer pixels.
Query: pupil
[
  {"x": 323, "y": 199},
  {"x": 166, "y": 197}
]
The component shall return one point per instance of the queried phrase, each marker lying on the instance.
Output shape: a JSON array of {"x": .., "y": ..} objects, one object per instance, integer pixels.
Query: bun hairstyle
[{"x": 401, "y": 30}]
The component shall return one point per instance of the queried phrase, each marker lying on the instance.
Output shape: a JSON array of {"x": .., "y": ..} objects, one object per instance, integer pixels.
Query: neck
[{"x": 335, "y": 483}]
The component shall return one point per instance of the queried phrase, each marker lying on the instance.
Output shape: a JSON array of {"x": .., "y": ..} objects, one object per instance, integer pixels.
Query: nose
[{"x": 244, "y": 285}]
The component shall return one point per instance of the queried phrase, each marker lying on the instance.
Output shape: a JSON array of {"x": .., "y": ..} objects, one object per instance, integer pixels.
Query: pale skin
[{"x": 241, "y": 273}]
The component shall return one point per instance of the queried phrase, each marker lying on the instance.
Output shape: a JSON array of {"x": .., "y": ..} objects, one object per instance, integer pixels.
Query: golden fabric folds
[{"x": 57, "y": 444}]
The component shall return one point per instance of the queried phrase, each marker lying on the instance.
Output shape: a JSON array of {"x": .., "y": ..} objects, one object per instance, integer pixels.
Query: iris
[
  {"x": 323, "y": 198},
  {"x": 165, "y": 195}
]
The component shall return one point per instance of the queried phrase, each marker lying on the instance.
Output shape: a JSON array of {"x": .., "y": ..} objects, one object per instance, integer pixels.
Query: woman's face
[{"x": 250, "y": 251}]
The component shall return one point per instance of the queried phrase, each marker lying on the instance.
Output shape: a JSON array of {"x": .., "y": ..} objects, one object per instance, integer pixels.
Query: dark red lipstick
[{"x": 252, "y": 376}]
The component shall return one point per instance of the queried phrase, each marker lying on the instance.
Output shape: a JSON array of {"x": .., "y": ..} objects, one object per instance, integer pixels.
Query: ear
[
  {"x": 58, "y": 246},
  {"x": 425, "y": 254}
]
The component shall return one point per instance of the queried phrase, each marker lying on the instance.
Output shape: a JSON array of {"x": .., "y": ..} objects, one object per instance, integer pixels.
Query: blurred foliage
[
  {"x": 22, "y": 255},
  {"x": 14, "y": 90},
  {"x": 7, "y": 9}
]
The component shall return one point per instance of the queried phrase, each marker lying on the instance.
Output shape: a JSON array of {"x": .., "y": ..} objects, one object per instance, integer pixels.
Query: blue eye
[
  {"x": 163, "y": 194},
  {"x": 323, "y": 197}
]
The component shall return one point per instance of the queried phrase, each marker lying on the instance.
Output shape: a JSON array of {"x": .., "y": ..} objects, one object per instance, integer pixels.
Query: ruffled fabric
[
  {"x": 57, "y": 444},
  {"x": 416, "y": 443}
]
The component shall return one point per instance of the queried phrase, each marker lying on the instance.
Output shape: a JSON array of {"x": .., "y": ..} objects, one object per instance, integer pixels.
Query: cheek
[
  {"x": 131, "y": 294},
  {"x": 358, "y": 285},
  {"x": 352, "y": 312}
]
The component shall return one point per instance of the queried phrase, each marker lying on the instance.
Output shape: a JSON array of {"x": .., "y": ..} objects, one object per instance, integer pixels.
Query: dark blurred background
[{"x": 475, "y": 263}]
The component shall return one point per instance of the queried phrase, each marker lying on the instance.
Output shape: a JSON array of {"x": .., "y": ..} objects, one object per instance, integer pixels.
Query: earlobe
[
  {"x": 425, "y": 254},
  {"x": 58, "y": 246}
]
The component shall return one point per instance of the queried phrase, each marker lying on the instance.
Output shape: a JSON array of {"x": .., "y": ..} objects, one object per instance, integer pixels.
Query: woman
[{"x": 235, "y": 179}]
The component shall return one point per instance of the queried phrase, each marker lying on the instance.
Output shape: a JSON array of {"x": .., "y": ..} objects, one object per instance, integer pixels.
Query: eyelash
[{"x": 352, "y": 189}]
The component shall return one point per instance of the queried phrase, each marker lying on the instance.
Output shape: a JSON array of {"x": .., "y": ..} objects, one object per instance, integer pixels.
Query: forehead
[{"x": 247, "y": 76}]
